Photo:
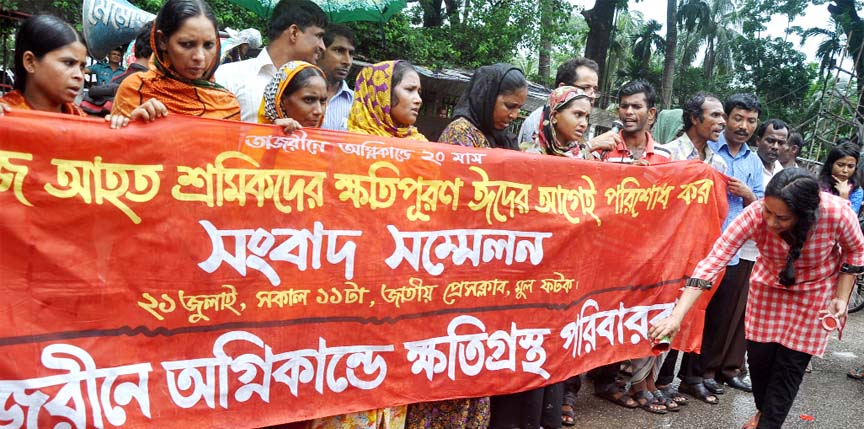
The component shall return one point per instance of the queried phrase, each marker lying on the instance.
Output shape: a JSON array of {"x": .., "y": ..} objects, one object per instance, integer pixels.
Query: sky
[{"x": 813, "y": 16}]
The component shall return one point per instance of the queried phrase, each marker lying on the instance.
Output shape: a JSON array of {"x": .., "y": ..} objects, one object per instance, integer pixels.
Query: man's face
[
  {"x": 740, "y": 125},
  {"x": 713, "y": 120},
  {"x": 587, "y": 81},
  {"x": 633, "y": 111},
  {"x": 769, "y": 146},
  {"x": 308, "y": 43},
  {"x": 337, "y": 59},
  {"x": 115, "y": 57},
  {"x": 787, "y": 153}
]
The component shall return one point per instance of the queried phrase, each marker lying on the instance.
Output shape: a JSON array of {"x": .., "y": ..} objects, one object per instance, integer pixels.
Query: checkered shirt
[{"x": 790, "y": 315}]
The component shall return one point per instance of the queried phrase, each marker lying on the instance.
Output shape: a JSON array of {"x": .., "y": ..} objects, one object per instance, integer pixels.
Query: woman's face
[
  {"x": 844, "y": 168},
  {"x": 307, "y": 104},
  {"x": 191, "y": 49},
  {"x": 572, "y": 121},
  {"x": 778, "y": 217},
  {"x": 507, "y": 108},
  {"x": 57, "y": 77},
  {"x": 407, "y": 99}
]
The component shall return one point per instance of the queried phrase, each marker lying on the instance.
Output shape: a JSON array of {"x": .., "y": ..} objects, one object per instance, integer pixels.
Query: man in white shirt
[
  {"x": 771, "y": 140},
  {"x": 296, "y": 33},
  {"x": 336, "y": 63},
  {"x": 579, "y": 72}
]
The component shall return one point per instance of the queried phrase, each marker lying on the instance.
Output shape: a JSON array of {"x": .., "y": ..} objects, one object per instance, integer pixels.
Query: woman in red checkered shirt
[{"x": 811, "y": 248}]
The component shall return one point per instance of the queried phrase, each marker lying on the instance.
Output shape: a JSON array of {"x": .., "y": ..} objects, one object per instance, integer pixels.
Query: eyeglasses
[{"x": 592, "y": 91}]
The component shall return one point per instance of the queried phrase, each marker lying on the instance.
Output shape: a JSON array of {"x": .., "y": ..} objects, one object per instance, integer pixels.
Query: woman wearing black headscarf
[{"x": 491, "y": 102}]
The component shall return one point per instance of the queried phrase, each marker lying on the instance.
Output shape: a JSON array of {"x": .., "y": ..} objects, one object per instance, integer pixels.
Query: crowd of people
[{"x": 790, "y": 237}]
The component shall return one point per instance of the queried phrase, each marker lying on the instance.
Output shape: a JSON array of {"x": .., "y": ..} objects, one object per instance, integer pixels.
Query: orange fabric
[
  {"x": 15, "y": 99},
  {"x": 177, "y": 96}
]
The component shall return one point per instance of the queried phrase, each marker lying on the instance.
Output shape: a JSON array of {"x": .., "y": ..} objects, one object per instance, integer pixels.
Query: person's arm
[
  {"x": 851, "y": 242},
  {"x": 856, "y": 198},
  {"x": 706, "y": 272}
]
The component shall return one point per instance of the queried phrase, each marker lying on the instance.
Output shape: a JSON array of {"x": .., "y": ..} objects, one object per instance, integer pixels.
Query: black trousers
[
  {"x": 723, "y": 343},
  {"x": 690, "y": 371},
  {"x": 776, "y": 373},
  {"x": 528, "y": 410}
]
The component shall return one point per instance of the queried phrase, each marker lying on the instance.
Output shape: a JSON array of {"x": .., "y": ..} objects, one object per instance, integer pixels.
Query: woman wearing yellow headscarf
[
  {"x": 295, "y": 98},
  {"x": 387, "y": 101}
]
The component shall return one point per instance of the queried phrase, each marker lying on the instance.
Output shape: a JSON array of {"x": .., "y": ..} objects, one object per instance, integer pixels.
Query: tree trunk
[
  {"x": 432, "y": 13},
  {"x": 671, "y": 47},
  {"x": 546, "y": 31},
  {"x": 853, "y": 27},
  {"x": 708, "y": 64},
  {"x": 600, "y": 22}
]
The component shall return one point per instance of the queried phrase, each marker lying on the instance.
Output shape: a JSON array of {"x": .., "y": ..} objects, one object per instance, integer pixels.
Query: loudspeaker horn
[{"x": 111, "y": 23}]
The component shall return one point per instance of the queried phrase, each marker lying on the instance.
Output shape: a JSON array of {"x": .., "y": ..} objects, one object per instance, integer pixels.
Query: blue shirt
[
  {"x": 744, "y": 166},
  {"x": 338, "y": 108},
  {"x": 104, "y": 74}
]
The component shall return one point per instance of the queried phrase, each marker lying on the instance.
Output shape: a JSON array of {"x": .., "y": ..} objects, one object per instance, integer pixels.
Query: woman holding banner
[
  {"x": 811, "y": 250},
  {"x": 486, "y": 109},
  {"x": 49, "y": 59},
  {"x": 386, "y": 103},
  {"x": 185, "y": 45},
  {"x": 295, "y": 98}
]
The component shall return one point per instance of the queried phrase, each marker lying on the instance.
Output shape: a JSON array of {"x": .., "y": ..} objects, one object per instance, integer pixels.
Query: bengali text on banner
[{"x": 192, "y": 272}]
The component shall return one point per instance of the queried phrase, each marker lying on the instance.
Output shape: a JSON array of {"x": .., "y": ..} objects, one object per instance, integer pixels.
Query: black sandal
[
  {"x": 618, "y": 397},
  {"x": 699, "y": 392},
  {"x": 670, "y": 403},
  {"x": 649, "y": 403},
  {"x": 671, "y": 391},
  {"x": 568, "y": 417}
]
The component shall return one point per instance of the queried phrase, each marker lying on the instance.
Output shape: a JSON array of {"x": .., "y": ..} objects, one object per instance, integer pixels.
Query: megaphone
[{"x": 111, "y": 23}]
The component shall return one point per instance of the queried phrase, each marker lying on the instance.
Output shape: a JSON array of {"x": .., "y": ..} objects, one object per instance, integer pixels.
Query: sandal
[
  {"x": 857, "y": 373},
  {"x": 670, "y": 403},
  {"x": 568, "y": 418},
  {"x": 671, "y": 391},
  {"x": 649, "y": 403},
  {"x": 699, "y": 392},
  {"x": 618, "y": 397}
]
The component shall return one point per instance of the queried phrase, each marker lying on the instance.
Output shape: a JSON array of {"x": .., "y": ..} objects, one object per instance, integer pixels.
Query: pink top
[{"x": 790, "y": 315}]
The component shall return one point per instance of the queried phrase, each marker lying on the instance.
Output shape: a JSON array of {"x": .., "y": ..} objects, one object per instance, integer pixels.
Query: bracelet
[
  {"x": 851, "y": 269},
  {"x": 698, "y": 283}
]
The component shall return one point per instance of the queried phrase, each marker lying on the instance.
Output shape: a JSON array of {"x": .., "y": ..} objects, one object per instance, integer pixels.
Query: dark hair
[
  {"x": 142, "y": 41},
  {"x": 840, "y": 150},
  {"x": 796, "y": 139},
  {"x": 336, "y": 30},
  {"x": 639, "y": 86},
  {"x": 776, "y": 124},
  {"x": 40, "y": 34},
  {"x": 302, "y": 13},
  {"x": 742, "y": 101},
  {"x": 512, "y": 81},
  {"x": 301, "y": 79},
  {"x": 567, "y": 73},
  {"x": 800, "y": 191},
  {"x": 175, "y": 12},
  {"x": 693, "y": 107},
  {"x": 399, "y": 71}
]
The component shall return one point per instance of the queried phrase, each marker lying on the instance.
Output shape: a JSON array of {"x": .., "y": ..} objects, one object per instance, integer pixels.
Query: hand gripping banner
[{"x": 192, "y": 272}]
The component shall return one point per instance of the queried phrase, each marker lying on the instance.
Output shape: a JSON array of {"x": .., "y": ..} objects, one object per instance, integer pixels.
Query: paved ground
[{"x": 832, "y": 399}]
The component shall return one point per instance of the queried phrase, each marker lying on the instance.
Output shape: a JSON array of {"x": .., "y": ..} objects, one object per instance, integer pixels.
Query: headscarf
[
  {"x": 198, "y": 97},
  {"x": 477, "y": 104},
  {"x": 271, "y": 106},
  {"x": 15, "y": 99},
  {"x": 547, "y": 137},
  {"x": 669, "y": 123},
  {"x": 370, "y": 113}
]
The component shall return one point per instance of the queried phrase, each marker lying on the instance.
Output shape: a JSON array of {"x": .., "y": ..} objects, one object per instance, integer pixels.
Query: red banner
[{"x": 191, "y": 272}]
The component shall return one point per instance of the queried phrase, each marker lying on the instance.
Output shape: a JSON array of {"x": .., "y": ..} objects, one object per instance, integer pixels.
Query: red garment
[
  {"x": 654, "y": 154},
  {"x": 15, "y": 99},
  {"x": 790, "y": 315}
]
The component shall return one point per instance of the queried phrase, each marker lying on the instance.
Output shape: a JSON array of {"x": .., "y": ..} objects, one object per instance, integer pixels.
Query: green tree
[{"x": 669, "y": 53}]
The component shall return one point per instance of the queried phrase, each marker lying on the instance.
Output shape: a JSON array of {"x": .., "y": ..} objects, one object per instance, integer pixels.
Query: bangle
[
  {"x": 698, "y": 283},
  {"x": 851, "y": 269}
]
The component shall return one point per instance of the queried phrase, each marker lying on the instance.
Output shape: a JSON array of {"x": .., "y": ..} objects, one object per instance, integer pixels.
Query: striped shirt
[
  {"x": 682, "y": 149},
  {"x": 338, "y": 108}
]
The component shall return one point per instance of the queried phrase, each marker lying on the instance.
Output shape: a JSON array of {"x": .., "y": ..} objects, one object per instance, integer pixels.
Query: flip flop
[
  {"x": 568, "y": 417},
  {"x": 753, "y": 422},
  {"x": 671, "y": 391},
  {"x": 670, "y": 403},
  {"x": 857, "y": 373}
]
